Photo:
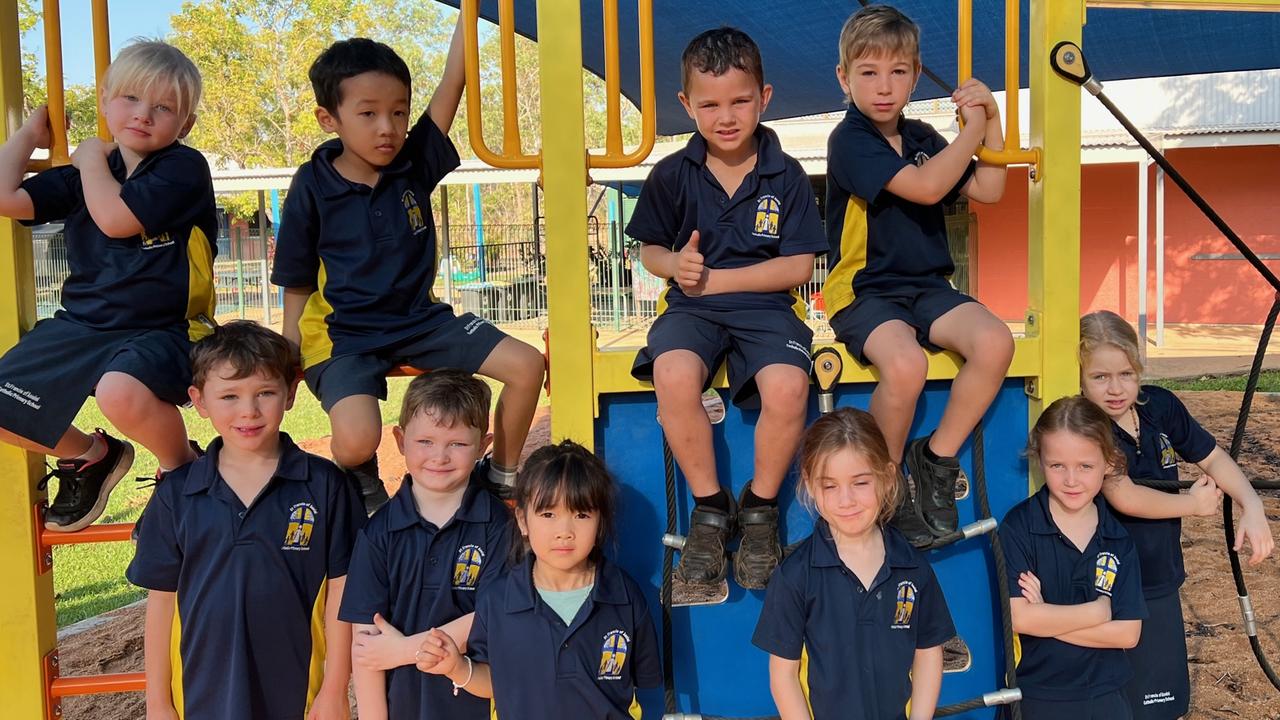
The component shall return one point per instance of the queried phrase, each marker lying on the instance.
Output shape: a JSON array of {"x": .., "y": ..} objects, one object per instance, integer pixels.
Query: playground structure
[{"x": 597, "y": 402}]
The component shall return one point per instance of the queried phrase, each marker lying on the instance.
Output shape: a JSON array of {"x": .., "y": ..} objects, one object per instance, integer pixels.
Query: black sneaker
[
  {"x": 146, "y": 482},
  {"x": 371, "y": 488},
  {"x": 759, "y": 552},
  {"x": 935, "y": 488},
  {"x": 84, "y": 486},
  {"x": 704, "y": 559},
  {"x": 907, "y": 517}
]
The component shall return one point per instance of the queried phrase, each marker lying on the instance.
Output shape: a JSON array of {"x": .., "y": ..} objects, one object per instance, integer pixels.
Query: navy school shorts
[
  {"x": 918, "y": 305},
  {"x": 1111, "y": 706},
  {"x": 746, "y": 340},
  {"x": 46, "y": 377},
  {"x": 1161, "y": 684},
  {"x": 464, "y": 343}
]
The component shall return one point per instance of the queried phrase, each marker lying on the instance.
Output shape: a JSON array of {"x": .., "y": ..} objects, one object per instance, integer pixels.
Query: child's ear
[
  {"x": 186, "y": 127},
  {"x": 197, "y": 401},
  {"x": 327, "y": 121},
  {"x": 844, "y": 81},
  {"x": 398, "y": 433},
  {"x": 485, "y": 441},
  {"x": 684, "y": 100},
  {"x": 520, "y": 523},
  {"x": 291, "y": 394},
  {"x": 766, "y": 93}
]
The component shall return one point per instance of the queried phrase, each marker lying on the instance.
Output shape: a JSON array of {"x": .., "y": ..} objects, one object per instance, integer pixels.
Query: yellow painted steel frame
[{"x": 27, "y": 627}]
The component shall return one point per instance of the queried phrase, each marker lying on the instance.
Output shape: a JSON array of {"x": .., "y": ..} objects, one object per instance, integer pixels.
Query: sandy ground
[{"x": 1225, "y": 678}]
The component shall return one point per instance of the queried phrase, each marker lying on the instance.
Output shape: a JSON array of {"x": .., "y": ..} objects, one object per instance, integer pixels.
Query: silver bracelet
[{"x": 471, "y": 670}]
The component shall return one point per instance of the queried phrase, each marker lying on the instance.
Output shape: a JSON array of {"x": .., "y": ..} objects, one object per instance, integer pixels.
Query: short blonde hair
[
  {"x": 878, "y": 31},
  {"x": 1106, "y": 329},
  {"x": 151, "y": 66},
  {"x": 849, "y": 428}
]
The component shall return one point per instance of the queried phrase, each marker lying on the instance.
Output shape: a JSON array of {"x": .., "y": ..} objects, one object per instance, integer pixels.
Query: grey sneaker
[
  {"x": 935, "y": 488},
  {"x": 704, "y": 559},
  {"x": 759, "y": 552}
]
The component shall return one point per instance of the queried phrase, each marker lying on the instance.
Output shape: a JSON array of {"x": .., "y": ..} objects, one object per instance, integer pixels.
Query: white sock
[
  {"x": 97, "y": 449},
  {"x": 501, "y": 476}
]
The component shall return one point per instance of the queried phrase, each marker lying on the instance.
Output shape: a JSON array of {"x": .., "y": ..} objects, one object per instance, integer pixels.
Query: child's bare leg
[
  {"x": 901, "y": 363},
  {"x": 784, "y": 396},
  {"x": 141, "y": 416},
  {"x": 984, "y": 342},
  {"x": 357, "y": 430},
  {"x": 73, "y": 443},
  {"x": 678, "y": 377},
  {"x": 520, "y": 369}
]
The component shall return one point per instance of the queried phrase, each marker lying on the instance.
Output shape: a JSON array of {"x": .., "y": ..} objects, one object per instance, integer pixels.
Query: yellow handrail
[
  {"x": 613, "y": 156},
  {"x": 1011, "y": 155},
  {"x": 58, "y": 153},
  {"x": 101, "y": 56},
  {"x": 512, "y": 157}
]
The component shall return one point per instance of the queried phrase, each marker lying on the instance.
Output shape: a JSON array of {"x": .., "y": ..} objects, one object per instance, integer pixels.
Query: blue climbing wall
[{"x": 717, "y": 669}]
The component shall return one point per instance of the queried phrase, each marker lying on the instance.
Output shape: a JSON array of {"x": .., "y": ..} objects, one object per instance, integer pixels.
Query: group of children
[{"x": 268, "y": 586}]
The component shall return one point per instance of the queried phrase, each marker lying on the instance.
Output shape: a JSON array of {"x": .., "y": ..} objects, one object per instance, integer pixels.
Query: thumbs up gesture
[{"x": 691, "y": 272}]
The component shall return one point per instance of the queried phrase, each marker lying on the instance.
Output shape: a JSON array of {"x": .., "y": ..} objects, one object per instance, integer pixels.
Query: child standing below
[
  {"x": 443, "y": 515},
  {"x": 357, "y": 257},
  {"x": 732, "y": 223},
  {"x": 140, "y": 225},
  {"x": 248, "y": 546},
  {"x": 1075, "y": 586},
  {"x": 854, "y": 590},
  {"x": 566, "y": 633},
  {"x": 888, "y": 292},
  {"x": 1153, "y": 429}
]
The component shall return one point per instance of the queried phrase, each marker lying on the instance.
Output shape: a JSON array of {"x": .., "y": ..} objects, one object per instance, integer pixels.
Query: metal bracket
[{"x": 49, "y": 673}]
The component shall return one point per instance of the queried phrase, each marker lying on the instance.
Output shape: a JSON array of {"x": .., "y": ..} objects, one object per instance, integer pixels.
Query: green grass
[{"x": 1268, "y": 381}]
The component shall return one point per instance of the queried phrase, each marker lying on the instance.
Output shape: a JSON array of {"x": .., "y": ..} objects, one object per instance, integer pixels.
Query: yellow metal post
[
  {"x": 564, "y": 177},
  {"x": 101, "y": 56},
  {"x": 1053, "y": 263},
  {"x": 27, "y": 628}
]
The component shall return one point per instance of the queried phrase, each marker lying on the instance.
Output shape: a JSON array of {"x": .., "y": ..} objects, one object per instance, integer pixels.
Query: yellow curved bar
[
  {"x": 101, "y": 55},
  {"x": 613, "y": 157},
  {"x": 1011, "y": 155},
  {"x": 509, "y": 159},
  {"x": 58, "y": 152},
  {"x": 612, "y": 81}
]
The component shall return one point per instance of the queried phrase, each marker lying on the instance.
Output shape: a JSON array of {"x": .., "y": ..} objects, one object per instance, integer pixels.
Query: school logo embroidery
[
  {"x": 155, "y": 243},
  {"x": 905, "y": 606},
  {"x": 613, "y": 655},
  {"x": 466, "y": 571},
  {"x": 1105, "y": 570},
  {"x": 768, "y": 211},
  {"x": 302, "y": 518},
  {"x": 1168, "y": 458},
  {"x": 413, "y": 212}
]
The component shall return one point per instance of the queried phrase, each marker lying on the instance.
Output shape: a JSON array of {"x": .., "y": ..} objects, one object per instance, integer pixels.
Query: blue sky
[{"x": 129, "y": 19}]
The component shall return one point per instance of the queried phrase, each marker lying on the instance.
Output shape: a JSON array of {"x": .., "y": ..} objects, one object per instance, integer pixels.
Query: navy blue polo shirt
[
  {"x": 1051, "y": 669},
  {"x": 860, "y": 641},
  {"x": 250, "y": 582},
  {"x": 369, "y": 253},
  {"x": 1166, "y": 431},
  {"x": 160, "y": 278},
  {"x": 419, "y": 576},
  {"x": 877, "y": 240},
  {"x": 543, "y": 668},
  {"x": 772, "y": 214}
]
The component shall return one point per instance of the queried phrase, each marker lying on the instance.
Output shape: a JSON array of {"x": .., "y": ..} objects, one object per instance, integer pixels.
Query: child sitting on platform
[
  {"x": 141, "y": 234},
  {"x": 854, "y": 590},
  {"x": 1075, "y": 585},
  {"x": 245, "y": 553},
  {"x": 889, "y": 293}
]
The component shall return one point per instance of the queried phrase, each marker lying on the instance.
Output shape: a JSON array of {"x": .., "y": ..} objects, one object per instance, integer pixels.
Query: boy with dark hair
[
  {"x": 731, "y": 221},
  {"x": 888, "y": 292},
  {"x": 421, "y": 559},
  {"x": 141, "y": 232},
  {"x": 248, "y": 546},
  {"x": 357, "y": 257}
]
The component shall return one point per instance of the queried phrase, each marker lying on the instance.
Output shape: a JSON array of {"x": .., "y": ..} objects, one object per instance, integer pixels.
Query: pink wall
[{"x": 1242, "y": 184}]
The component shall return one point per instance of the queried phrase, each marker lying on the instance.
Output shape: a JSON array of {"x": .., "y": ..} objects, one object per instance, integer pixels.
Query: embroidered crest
[
  {"x": 302, "y": 518},
  {"x": 768, "y": 213}
]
